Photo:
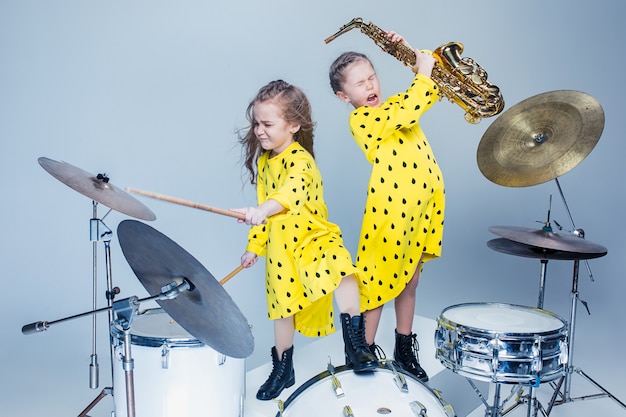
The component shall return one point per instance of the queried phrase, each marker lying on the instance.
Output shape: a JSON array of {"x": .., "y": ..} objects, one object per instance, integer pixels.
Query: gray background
[{"x": 151, "y": 93}]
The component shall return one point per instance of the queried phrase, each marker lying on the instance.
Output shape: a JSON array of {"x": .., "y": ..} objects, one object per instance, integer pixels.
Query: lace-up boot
[
  {"x": 406, "y": 355},
  {"x": 282, "y": 376}
]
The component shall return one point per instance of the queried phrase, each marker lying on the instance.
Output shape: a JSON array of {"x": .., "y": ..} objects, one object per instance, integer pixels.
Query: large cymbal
[
  {"x": 549, "y": 240},
  {"x": 540, "y": 138},
  {"x": 520, "y": 249},
  {"x": 98, "y": 188},
  {"x": 206, "y": 311}
]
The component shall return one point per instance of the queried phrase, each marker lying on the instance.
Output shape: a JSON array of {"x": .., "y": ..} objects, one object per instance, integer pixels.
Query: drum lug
[
  {"x": 418, "y": 408},
  {"x": 336, "y": 384},
  {"x": 398, "y": 378},
  {"x": 165, "y": 357}
]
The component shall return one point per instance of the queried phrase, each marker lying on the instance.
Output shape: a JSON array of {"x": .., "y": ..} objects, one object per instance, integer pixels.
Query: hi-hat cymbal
[
  {"x": 98, "y": 188},
  {"x": 544, "y": 239},
  {"x": 520, "y": 249},
  {"x": 206, "y": 311},
  {"x": 540, "y": 138}
]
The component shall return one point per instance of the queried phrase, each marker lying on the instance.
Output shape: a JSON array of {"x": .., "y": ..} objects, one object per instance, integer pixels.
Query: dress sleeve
[
  {"x": 294, "y": 191},
  {"x": 257, "y": 236},
  {"x": 370, "y": 125}
]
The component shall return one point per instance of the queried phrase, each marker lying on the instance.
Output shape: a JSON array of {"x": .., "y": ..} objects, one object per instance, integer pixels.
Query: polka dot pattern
[
  {"x": 305, "y": 255},
  {"x": 404, "y": 212}
]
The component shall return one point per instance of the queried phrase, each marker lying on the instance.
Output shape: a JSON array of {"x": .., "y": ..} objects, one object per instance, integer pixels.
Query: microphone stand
[{"x": 124, "y": 311}]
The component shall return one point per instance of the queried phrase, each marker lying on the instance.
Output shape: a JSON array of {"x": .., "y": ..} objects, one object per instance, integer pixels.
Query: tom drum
[{"x": 175, "y": 375}]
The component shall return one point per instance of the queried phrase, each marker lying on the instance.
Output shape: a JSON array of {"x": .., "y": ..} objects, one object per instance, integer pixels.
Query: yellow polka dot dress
[
  {"x": 404, "y": 211},
  {"x": 305, "y": 255}
]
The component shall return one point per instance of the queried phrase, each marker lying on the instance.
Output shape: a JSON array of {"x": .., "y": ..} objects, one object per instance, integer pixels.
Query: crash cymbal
[
  {"x": 98, "y": 188},
  {"x": 540, "y": 138},
  {"x": 549, "y": 240},
  {"x": 206, "y": 311},
  {"x": 520, "y": 249}
]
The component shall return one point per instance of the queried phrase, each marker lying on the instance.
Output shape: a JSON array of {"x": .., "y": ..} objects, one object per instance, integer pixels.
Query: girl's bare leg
[
  {"x": 347, "y": 296},
  {"x": 405, "y": 304},
  {"x": 283, "y": 334},
  {"x": 372, "y": 319}
]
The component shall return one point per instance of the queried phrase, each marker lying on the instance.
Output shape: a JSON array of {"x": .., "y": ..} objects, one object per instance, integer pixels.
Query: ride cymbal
[
  {"x": 554, "y": 241},
  {"x": 206, "y": 310},
  {"x": 98, "y": 188},
  {"x": 540, "y": 138}
]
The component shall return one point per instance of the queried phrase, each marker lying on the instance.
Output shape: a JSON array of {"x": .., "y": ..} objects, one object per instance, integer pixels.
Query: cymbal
[
  {"x": 520, "y": 249},
  {"x": 540, "y": 138},
  {"x": 206, "y": 311},
  {"x": 554, "y": 241},
  {"x": 98, "y": 188}
]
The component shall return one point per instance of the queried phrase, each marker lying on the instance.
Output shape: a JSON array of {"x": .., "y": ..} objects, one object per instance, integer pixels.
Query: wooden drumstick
[
  {"x": 188, "y": 203},
  {"x": 232, "y": 274}
]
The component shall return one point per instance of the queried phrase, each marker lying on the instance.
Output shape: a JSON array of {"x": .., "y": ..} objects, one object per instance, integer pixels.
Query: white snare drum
[
  {"x": 502, "y": 343},
  {"x": 176, "y": 375},
  {"x": 366, "y": 394}
]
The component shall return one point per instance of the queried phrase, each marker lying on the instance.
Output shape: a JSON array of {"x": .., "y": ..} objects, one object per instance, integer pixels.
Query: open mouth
[{"x": 372, "y": 99}]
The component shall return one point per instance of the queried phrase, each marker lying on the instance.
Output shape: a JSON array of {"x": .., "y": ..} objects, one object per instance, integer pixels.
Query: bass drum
[
  {"x": 502, "y": 343},
  {"x": 175, "y": 375},
  {"x": 384, "y": 391}
]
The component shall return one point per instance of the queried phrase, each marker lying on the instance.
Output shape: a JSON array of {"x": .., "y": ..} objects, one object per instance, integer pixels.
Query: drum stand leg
[
  {"x": 496, "y": 410},
  {"x": 125, "y": 311},
  {"x": 565, "y": 381}
]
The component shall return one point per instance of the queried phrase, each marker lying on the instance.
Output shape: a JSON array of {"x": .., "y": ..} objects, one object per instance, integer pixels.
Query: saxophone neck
[{"x": 357, "y": 22}]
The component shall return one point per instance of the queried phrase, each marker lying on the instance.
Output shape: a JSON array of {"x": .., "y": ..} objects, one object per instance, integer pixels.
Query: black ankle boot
[
  {"x": 358, "y": 355},
  {"x": 405, "y": 354},
  {"x": 282, "y": 376}
]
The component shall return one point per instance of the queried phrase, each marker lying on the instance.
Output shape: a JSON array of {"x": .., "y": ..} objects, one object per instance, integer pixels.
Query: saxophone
[{"x": 460, "y": 80}]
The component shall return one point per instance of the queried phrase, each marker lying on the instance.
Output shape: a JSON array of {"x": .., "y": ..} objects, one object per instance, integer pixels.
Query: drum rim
[{"x": 450, "y": 323}]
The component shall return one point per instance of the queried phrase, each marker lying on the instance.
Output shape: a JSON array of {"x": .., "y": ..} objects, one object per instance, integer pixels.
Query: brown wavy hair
[{"x": 296, "y": 109}]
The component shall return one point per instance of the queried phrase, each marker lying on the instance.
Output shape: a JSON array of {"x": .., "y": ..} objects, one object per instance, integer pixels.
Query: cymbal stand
[
  {"x": 544, "y": 262},
  {"x": 124, "y": 312},
  {"x": 564, "y": 382}
]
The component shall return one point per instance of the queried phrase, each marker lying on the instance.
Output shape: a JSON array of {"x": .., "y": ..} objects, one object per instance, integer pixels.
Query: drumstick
[
  {"x": 188, "y": 203},
  {"x": 232, "y": 274}
]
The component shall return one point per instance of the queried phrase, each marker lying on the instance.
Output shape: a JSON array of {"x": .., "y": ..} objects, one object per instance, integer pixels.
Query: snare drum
[
  {"x": 384, "y": 391},
  {"x": 502, "y": 343},
  {"x": 174, "y": 373}
]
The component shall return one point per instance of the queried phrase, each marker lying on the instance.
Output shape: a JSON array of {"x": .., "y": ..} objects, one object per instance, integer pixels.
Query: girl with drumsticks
[
  {"x": 402, "y": 225},
  {"x": 306, "y": 261}
]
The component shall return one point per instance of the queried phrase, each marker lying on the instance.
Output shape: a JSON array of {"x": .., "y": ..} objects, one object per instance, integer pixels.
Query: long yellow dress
[
  {"x": 404, "y": 211},
  {"x": 305, "y": 255}
]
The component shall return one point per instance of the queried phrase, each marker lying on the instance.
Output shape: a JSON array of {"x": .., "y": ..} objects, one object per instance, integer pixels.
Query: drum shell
[
  {"x": 368, "y": 394},
  {"x": 174, "y": 374},
  {"x": 538, "y": 354}
]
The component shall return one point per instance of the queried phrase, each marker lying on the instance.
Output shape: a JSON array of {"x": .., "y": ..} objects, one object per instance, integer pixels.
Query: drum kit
[
  {"x": 535, "y": 141},
  {"x": 199, "y": 336},
  {"x": 196, "y": 341}
]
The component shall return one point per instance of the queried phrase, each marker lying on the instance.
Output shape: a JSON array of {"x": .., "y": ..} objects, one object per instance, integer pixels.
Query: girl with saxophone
[
  {"x": 402, "y": 225},
  {"x": 306, "y": 261}
]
